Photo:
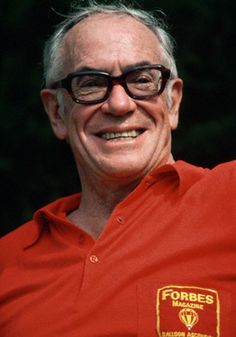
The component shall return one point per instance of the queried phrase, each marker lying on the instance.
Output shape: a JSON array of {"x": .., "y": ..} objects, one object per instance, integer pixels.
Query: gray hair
[{"x": 53, "y": 56}]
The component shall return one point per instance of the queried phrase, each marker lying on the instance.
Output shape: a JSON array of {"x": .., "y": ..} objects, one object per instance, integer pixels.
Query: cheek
[
  {"x": 156, "y": 110},
  {"x": 78, "y": 122}
]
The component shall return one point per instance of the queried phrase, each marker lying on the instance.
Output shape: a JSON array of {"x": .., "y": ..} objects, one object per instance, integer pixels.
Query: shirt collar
[
  {"x": 188, "y": 175},
  {"x": 185, "y": 174},
  {"x": 32, "y": 234},
  {"x": 46, "y": 215}
]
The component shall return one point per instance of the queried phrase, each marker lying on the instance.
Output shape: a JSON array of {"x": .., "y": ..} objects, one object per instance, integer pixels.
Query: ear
[
  {"x": 175, "y": 97},
  {"x": 55, "y": 112}
]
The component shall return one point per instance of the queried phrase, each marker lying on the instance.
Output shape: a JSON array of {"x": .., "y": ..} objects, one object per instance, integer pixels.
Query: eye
[
  {"x": 140, "y": 77},
  {"x": 144, "y": 77},
  {"x": 144, "y": 82},
  {"x": 84, "y": 82}
]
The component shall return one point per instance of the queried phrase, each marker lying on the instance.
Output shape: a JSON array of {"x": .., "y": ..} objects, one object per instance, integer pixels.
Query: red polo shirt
[{"x": 165, "y": 264}]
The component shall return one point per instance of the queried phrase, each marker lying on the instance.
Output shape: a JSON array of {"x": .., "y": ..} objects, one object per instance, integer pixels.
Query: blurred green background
[{"x": 36, "y": 168}]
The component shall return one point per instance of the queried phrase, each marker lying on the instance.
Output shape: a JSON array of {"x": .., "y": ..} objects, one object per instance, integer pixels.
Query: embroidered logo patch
[{"x": 188, "y": 312}]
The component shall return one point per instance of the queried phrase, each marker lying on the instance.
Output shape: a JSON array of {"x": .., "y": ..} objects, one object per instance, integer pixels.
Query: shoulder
[
  {"x": 223, "y": 174},
  {"x": 220, "y": 179},
  {"x": 229, "y": 168},
  {"x": 218, "y": 186},
  {"x": 13, "y": 243},
  {"x": 220, "y": 183},
  {"x": 225, "y": 170}
]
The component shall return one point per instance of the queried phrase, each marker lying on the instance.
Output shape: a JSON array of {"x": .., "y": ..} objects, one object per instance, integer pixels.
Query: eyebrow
[
  {"x": 127, "y": 68},
  {"x": 137, "y": 64}
]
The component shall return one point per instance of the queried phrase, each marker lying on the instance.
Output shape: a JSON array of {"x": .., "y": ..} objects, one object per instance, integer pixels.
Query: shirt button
[
  {"x": 120, "y": 220},
  {"x": 93, "y": 259}
]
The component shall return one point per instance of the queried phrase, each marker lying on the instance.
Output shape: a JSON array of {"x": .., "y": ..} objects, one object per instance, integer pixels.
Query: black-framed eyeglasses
[{"x": 91, "y": 87}]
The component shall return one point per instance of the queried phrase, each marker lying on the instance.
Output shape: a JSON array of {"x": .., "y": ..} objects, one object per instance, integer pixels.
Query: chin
[{"x": 129, "y": 170}]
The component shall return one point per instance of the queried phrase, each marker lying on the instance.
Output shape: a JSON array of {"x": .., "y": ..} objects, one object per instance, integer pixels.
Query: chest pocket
[{"x": 185, "y": 311}]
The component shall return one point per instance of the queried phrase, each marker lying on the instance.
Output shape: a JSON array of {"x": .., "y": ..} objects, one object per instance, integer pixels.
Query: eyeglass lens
[{"x": 89, "y": 87}]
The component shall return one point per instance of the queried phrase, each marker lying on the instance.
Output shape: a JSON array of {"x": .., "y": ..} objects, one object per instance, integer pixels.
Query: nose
[{"x": 119, "y": 102}]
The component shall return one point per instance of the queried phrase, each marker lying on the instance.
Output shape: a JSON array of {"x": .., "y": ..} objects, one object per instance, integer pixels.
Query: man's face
[{"x": 111, "y": 44}]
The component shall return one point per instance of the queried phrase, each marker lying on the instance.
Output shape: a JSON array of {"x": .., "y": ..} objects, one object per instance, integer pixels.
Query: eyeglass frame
[{"x": 112, "y": 80}]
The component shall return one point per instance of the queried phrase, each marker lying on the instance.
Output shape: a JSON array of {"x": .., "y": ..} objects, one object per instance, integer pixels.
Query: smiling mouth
[{"x": 121, "y": 135}]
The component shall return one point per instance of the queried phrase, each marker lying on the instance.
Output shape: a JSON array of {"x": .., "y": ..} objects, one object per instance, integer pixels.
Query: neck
[
  {"x": 99, "y": 198},
  {"x": 97, "y": 203}
]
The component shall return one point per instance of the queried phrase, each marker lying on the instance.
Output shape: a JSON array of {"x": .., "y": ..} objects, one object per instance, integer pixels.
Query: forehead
[{"x": 105, "y": 41}]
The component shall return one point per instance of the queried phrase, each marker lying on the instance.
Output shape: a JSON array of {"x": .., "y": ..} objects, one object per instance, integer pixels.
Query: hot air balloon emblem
[{"x": 188, "y": 317}]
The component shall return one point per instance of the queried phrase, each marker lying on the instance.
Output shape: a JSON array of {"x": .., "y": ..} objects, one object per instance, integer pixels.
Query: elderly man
[{"x": 148, "y": 248}]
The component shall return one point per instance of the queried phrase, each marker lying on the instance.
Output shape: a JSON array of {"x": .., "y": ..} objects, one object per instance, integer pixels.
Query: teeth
[{"x": 117, "y": 135}]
